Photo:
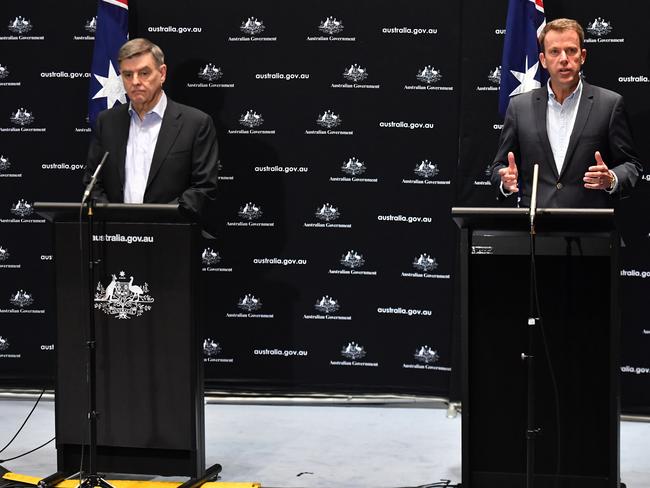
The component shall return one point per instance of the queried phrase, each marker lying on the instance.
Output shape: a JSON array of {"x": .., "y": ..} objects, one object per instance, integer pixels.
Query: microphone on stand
[
  {"x": 533, "y": 199},
  {"x": 93, "y": 180}
]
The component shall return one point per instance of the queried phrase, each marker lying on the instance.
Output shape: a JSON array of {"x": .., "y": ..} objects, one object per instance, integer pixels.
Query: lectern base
[{"x": 518, "y": 480}]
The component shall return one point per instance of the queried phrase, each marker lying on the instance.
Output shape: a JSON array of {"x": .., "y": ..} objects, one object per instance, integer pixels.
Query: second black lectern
[
  {"x": 149, "y": 381},
  {"x": 577, "y": 407}
]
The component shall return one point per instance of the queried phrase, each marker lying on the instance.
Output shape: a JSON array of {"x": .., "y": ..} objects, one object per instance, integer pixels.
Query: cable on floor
[{"x": 24, "y": 422}]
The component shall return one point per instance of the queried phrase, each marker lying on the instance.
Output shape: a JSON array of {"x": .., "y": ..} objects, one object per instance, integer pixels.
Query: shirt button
[{"x": 559, "y": 186}]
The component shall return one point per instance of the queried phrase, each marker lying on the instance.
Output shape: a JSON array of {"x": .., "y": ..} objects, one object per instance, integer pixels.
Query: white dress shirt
[{"x": 143, "y": 135}]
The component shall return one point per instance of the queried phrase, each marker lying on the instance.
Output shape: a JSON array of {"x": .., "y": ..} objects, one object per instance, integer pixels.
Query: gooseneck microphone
[
  {"x": 93, "y": 180},
  {"x": 533, "y": 199}
]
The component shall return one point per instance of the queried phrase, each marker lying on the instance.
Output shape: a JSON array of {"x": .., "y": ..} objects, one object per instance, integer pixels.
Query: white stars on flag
[{"x": 112, "y": 87}]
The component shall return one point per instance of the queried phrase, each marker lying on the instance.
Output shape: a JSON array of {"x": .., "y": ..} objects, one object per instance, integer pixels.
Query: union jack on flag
[
  {"x": 106, "y": 86},
  {"x": 520, "y": 68}
]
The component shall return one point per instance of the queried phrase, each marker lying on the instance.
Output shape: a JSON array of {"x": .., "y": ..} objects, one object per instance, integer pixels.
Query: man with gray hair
[{"x": 160, "y": 151}]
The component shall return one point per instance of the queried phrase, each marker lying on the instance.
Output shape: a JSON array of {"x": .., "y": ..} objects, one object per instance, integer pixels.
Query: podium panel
[
  {"x": 149, "y": 376},
  {"x": 578, "y": 415}
]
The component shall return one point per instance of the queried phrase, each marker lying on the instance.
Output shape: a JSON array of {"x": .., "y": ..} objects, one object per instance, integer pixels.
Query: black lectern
[
  {"x": 149, "y": 375},
  {"x": 578, "y": 417}
]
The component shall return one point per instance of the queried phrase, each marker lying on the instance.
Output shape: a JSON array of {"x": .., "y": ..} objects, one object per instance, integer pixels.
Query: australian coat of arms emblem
[{"x": 122, "y": 299}]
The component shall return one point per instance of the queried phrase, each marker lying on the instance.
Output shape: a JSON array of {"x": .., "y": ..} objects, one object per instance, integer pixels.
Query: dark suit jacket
[
  {"x": 601, "y": 124},
  {"x": 184, "y": 165}
]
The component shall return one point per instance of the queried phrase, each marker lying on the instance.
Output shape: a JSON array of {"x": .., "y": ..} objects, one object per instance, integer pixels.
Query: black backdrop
[{"x": 335, "y": 190}]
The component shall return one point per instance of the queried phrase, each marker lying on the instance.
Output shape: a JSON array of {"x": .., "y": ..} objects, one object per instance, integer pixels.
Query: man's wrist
[
  {"x": 505, "y": 192},
  {"x": 613, "y": 182}
]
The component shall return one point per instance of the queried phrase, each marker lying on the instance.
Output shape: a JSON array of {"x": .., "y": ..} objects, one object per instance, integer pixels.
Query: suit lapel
[
  {"x": 540, "y": 102},
  {"x": 169, "y": 129},
  {"x": 586, "y": 102},
  {"x": 122, "y": 127}
]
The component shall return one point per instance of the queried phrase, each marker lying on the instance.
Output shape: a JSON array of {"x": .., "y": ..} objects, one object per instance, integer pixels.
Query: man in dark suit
[
  {"x": 578, "y": 134},
  {"x": 159, "y": 151}
]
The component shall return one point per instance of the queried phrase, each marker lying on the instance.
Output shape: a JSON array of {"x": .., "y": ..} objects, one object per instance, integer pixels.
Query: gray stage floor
[{"x": 315, "y": 446}]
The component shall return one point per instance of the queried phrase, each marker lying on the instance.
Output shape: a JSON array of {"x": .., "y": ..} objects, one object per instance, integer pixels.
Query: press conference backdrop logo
[
  {"x": 429, "y": 75},
  {"x": 4, "y": 344},
  {"x": 252, "y": 26},
  {"x": 212, "y": 352},
  {"x": 210, "y": 72},
  {"x": 327, "y": 213},
  {"x": 249, "y": 303},
  {"x": 20, "y": 25},
  {"x": 426, "y": 355},
  {"x": 5, "y": 164},
  {"x": 22, "y": 208},
  {"x": 353, "y": 351},
  {"x": 352, "y": 259},
  {"x": 211, "y": 348},
  {"x": 21, "y": 299},
  {"x": 355, "y": 73},
  {"x": 250, "y": 211},
  {"x": 122, "y": 299},
  {"x": 353, "y": 167},
  {"x": 4, "y": 257},
  {"x": 251, "y": 119},
  {"x": 22, "y": 117},
  {"x": 4, "y": 72},
  {"x": 426, "y": 169},
  {"x": 329, "y": 119},
  {"x": 327, "y": 305},
  {"x": 599, "y": 30},
  {"x": 425, "y": 263},
  {"x": 494, "y": 76},
  {"x": 330, "y": 26},
  {"x": 91, "y": 25},
  {"x": 210, "y": 257},
  {"x": 599, "y": 27}
]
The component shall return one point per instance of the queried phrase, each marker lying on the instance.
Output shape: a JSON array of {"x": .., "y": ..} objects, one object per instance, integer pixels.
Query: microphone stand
[
  {"x": 91, "y": 479},
  {"x": 533, "y": 318}
]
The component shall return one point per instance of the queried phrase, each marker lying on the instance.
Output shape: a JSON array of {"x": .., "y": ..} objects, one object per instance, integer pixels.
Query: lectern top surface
[
  {"x": 497, "y": 218},
  {"x": 122, "y": 212}
]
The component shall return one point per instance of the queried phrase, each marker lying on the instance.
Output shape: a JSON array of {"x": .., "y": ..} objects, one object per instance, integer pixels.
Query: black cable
[
  {"x": 28, "y": 452},
  {"x": 556, "y": 394},
  {"x": 24, "y": 422},
  {"x": 438, "y": 484}
]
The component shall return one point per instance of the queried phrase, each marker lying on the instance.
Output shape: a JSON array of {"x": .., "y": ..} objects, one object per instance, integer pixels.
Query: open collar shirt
[
  {"x": 143, "y": 136},
  {"x": 560, "y": 119}
]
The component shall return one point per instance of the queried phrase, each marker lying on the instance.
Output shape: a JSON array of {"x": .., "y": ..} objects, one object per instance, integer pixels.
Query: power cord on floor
[
  {"x": 438, "y": 484},
  {"x": 28, "y": 452},
  {"x": 24, "y": 422}
]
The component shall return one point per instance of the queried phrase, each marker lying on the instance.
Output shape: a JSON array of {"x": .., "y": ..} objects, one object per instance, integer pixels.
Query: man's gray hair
[{"x": 138, "y": 46}]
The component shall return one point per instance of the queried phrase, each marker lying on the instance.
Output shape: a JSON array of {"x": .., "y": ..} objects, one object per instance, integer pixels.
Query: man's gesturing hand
[
  {"x": 510, "y": 175},
  {"x": 598, "y": 177}
]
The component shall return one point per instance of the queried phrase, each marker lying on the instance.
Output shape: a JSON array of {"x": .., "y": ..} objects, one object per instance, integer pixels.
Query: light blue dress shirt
[
  {"x": 143, "y": 135},
  {"x": 560, "y": 119}
]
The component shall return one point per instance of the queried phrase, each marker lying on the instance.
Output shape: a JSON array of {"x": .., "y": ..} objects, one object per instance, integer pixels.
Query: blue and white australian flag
[
  {"x": 106, "y": 86},
  {"x": 520, "y": 67}
]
